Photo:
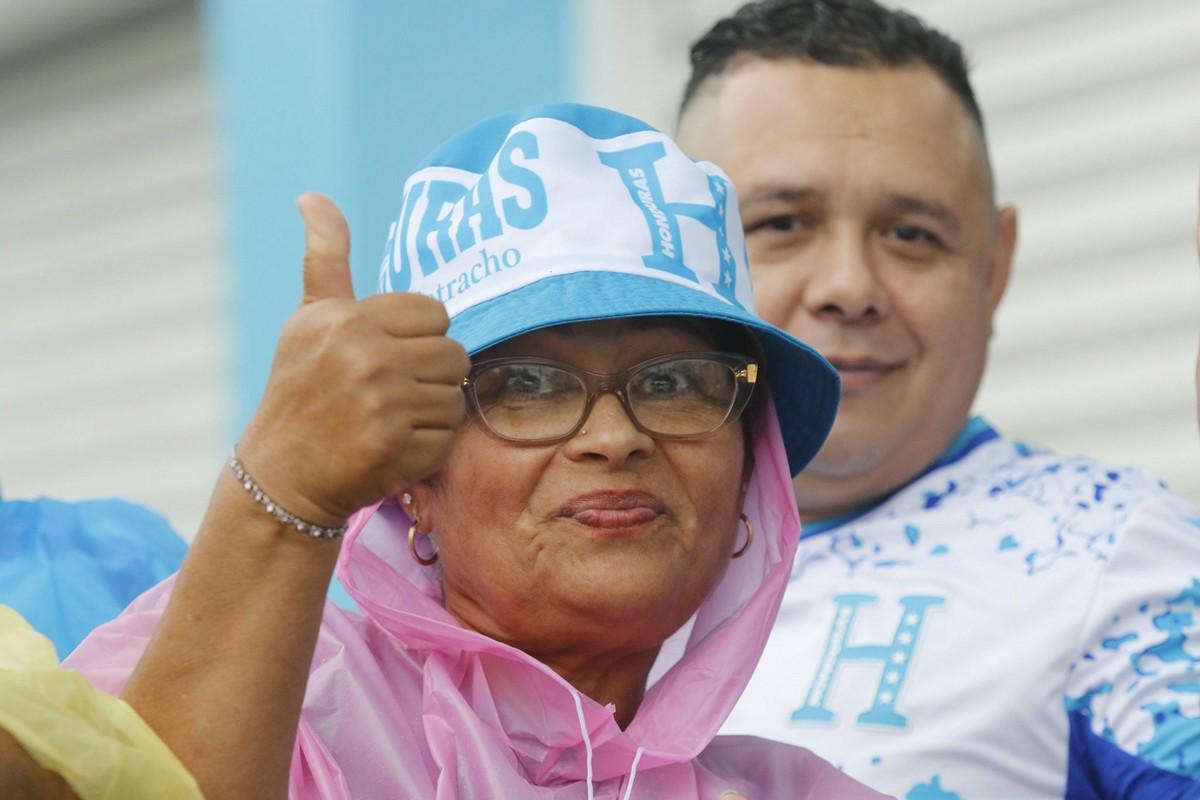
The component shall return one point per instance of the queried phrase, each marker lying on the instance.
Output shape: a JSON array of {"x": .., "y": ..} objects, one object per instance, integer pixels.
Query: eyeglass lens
[{"x": 678, "y": 397}]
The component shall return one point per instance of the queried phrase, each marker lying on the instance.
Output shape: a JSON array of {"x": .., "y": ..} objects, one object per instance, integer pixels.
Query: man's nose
[{"x": 844, "y": 281}]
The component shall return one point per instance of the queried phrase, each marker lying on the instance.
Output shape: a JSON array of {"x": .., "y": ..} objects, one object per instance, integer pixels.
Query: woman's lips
[
  {"x": 615, "y": 517},
  {"x": 613, "y": 510}
]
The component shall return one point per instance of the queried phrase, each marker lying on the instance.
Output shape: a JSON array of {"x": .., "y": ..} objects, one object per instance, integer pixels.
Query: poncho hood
[
  {"x": 403, "y": 702},
  {"x": 552, "y": 731}
]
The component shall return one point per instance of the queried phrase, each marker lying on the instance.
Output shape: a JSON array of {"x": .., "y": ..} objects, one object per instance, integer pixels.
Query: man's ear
[{"x": 1004, "y": 247}]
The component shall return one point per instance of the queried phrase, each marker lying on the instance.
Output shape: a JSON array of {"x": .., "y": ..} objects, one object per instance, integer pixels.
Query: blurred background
[{"x": 151, "y": 152}]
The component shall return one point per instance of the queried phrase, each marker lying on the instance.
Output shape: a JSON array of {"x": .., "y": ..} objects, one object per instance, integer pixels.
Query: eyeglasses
[{"x": 677, "y": 396}]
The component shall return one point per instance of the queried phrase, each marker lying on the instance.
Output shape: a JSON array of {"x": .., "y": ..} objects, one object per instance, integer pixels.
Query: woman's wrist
[
  {"x": 242, "y": 624},
  {"x": 283, "y": 475},
  {"x": 276, "y": 509}
]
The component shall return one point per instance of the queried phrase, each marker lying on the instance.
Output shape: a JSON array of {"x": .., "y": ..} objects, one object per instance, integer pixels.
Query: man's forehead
[
  {"x": 760, "y": 113},
  {"x": 917, "y": 81}
]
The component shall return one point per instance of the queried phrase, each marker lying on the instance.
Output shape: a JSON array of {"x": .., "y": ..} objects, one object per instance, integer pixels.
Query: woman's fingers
[
  {"x": 428, "y": 447},
  {"x": 326, "y": 249},
  {"x": 434, "y": 359},
  {"x": 363, "y": 396},
  {"x": 406, "y": 314},
  {"x": 436, "y": 406}
]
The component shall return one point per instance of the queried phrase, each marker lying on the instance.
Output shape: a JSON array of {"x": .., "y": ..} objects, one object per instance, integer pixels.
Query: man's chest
[{"x": 904, "y": 651}]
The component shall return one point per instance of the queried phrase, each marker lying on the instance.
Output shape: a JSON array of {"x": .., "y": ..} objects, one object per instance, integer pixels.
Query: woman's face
[{"x": 608, "y": 540}]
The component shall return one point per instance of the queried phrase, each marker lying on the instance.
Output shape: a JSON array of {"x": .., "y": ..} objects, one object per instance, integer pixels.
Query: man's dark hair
[{"x": 840, "y": 33}]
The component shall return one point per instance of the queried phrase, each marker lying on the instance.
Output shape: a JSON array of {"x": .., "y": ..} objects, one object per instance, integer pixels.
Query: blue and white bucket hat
[{"x": 566, "y": 213}]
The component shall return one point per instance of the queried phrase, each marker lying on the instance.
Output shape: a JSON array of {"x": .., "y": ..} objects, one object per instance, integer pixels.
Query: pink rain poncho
[{"x": 403, "y": 702}]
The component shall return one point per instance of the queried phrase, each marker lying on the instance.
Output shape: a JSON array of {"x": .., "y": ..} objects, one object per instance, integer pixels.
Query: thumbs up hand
[
  {"x": 326, "y": 250},
  {"x": 363, "y": 396}
]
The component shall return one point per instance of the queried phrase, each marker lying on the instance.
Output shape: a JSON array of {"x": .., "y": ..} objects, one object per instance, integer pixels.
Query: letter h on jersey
[{"x": 894, "y": 658}]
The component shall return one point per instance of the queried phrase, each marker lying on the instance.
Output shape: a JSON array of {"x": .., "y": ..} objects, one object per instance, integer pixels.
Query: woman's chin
[{"x": 626, "y": 591}]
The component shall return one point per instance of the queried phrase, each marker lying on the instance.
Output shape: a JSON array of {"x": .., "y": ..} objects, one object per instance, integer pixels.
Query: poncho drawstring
[
  {"x": 587, "y": 743},
  {"x": 633, "y": 772}
]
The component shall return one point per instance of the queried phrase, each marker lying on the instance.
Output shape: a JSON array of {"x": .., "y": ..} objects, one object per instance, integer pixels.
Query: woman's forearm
[
  {"x": 222, "y": 681},
  {"x": 363, "y": 397}
]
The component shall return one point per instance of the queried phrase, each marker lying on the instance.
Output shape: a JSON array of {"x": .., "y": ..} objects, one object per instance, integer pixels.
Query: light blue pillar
[{"x": 345, "y": 97}]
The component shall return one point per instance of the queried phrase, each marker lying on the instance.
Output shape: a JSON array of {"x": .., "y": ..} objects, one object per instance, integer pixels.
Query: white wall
[
  {"x": 114, "y": 350},
  {"x": 113, "y": 346},
  {"x": 1093, "y": 113}
]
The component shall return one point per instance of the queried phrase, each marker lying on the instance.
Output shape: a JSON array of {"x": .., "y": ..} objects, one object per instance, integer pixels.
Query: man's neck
[
  {"x": 821, "y": 497},
  {"x": 830, "y": 500}
]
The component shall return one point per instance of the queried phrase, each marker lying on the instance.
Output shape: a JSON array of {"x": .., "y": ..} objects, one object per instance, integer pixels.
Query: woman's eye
[
  {"x": 527, "y": 383},
  {"x": 663, "y": 381}
]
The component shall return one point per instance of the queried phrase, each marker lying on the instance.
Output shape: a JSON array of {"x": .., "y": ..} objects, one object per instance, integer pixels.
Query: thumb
[{"x": 326, "y": 249}]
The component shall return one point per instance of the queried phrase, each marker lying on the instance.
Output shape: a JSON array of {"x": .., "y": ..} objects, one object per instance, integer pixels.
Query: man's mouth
[{"x": 862, "y": 372}]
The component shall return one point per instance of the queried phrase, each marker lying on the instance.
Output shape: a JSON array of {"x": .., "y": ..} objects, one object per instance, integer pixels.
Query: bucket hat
[{"x": 565, "y": 213}]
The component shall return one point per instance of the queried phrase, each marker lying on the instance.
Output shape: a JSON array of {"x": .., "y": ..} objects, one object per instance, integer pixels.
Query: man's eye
[
  {"x": 783, "y": 223},
  {"x": 913, "y": 234}
]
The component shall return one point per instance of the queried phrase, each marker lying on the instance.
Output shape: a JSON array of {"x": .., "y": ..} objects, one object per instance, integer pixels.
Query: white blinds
[
  {"x": 1093, "y": 109},
  {"x": 113, "y": 337}
]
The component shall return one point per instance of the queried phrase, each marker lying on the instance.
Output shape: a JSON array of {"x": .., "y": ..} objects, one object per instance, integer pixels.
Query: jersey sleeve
[{"x": 1133, "y": 690}]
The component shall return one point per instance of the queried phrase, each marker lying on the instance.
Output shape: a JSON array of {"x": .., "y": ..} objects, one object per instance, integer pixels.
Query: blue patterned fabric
[{"x": 1011, "y": 624}]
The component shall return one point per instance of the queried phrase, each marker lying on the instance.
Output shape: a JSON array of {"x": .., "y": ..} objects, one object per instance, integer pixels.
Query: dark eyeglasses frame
[{"x": 745, "y": 372}]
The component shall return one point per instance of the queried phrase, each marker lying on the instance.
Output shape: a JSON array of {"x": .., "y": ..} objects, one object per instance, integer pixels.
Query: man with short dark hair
[{"x": 968, "y": 616}]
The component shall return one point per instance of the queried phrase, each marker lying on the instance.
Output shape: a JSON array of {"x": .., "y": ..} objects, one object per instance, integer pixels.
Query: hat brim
[{"x": 803, "y": 384}]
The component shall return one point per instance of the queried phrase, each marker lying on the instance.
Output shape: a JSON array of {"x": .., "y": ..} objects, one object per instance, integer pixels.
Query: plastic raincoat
[
  {"x": 403, "y": 702},
  {"x": 67, "y": 567}
]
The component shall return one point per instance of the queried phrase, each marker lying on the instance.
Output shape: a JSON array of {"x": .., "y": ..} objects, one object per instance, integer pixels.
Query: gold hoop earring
[
  {"x": 749, "y": 537},
  {"x": 412, "y": 547}
]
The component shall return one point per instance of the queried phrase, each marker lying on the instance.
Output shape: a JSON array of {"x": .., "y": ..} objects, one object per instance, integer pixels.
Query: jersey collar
[{"x": 974, "y": 434}]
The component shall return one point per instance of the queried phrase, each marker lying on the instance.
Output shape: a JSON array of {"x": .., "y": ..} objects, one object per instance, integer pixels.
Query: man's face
[{"x": 866, "y": 199}]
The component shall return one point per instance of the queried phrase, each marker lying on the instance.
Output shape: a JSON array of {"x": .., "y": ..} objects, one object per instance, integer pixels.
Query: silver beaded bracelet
[{"x": 273, "y": 508}]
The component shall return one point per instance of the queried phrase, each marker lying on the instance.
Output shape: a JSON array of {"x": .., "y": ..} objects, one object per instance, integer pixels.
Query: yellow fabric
[{"x": 96, "y": 742}]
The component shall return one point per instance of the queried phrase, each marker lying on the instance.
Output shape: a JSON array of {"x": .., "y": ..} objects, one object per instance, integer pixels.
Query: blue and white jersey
[{"x": 1011, "y": 625}]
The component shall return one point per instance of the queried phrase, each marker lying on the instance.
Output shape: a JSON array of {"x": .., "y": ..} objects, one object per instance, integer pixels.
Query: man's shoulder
[
  {"x": 1004, "y": 474},
  {"x": 1016, "y": 501}
]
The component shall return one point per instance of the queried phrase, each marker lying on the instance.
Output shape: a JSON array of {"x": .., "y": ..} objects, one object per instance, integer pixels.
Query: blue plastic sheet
[{"x": 70, "y": 566}]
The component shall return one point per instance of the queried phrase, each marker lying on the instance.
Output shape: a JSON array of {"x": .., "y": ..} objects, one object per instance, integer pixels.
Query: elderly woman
[{"x": 527, "y": 526}]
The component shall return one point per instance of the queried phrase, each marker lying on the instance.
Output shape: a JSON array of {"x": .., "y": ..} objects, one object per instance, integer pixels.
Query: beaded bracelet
[{"x": 273, "y": 508}]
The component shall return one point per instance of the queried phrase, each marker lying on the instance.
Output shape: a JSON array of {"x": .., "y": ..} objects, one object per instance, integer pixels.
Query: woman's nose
[{"x": 609, "y": 434}]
